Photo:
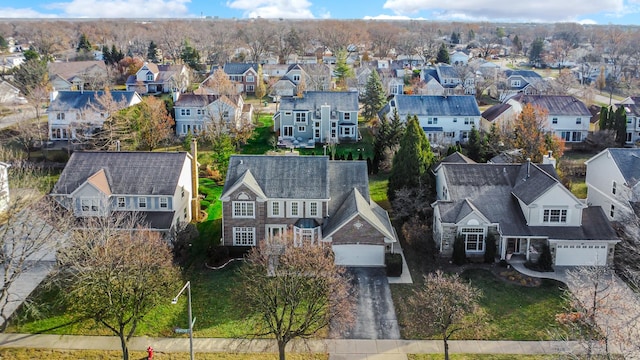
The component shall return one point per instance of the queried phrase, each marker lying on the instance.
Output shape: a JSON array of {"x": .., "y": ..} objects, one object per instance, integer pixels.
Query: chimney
[
  {"x": 528, "y": 167},
  {"x": 53, "y": 95},
  {"x": 195, "y": 199},
  {"x": 118, "y": 145},
  {"x": 549, "y": 159}
]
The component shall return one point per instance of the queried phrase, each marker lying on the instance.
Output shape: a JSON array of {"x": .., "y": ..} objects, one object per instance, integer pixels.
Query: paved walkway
[{"x": 338, "y": 349}]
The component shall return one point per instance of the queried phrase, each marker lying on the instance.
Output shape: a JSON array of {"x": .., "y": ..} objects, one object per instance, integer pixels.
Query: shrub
[
  {"x": 182, "y": 239},
  {"x": 545, "y": 262},
  {"x": 417, "y": 233},
  {"x": 459, "y": 256},
  {"x": 216, "y": 255},
  {"x": 394, "y": 264},
  {"x": 490, "y": 249}
]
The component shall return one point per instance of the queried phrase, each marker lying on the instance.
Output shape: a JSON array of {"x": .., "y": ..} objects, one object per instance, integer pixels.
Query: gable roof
[
  {"x": 495, "y": 111},
  {"x": 127, "y": 173},
  {"x": 80, "y": 100},
  {"x": 239, "y": 68},
  {"x": 70, "y": 69},
  {"x": 433, "y": 105},
  {"x": 628, "y": 161},
  {"x": 340, "y": 100},
  {"x": 532, "y": 181},
  {"x": 556, "y": 104},
  {"x": 195, "y": 100}
]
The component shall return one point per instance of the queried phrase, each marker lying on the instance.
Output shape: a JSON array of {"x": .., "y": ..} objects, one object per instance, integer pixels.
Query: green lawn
[
  {"x": 378, "y": 189},
  {"x": 579, "y": 189},
  {"x": 259, "y": 142},
  {"x": 42, "y": 354}
]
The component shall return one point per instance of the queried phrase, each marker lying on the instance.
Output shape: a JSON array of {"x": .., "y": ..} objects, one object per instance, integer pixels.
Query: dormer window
[
  {"x": 613, "y": 188},
  {"x": 554, "y": 216},
  {"x": 149, "y": 77}
]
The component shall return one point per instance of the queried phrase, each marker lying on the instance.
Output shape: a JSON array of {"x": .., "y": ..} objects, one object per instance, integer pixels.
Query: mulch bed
[{"x": 510, "y": 275}]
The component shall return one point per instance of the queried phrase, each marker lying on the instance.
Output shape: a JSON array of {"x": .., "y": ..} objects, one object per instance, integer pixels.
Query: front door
[{"x": 513, "y": 246}]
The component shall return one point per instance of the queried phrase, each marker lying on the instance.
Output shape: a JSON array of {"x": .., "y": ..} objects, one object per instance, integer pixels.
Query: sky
[{"x": 581, "y": 11}]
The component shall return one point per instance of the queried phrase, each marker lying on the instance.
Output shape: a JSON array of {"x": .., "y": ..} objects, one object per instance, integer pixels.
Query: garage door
[
  {"x": 359, "y": 255},
  {"x": 576, "y": 255}
]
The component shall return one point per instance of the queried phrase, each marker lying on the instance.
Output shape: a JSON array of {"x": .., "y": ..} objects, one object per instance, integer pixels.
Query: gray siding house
[
  {"x": 315, "y": 200},
  {"x": 317, "y": 117}
]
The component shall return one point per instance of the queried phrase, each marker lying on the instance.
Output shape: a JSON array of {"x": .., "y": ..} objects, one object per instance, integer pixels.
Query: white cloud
[
  {"x": 539, "y": 10},
  {"x": 289, "y": 9},
  {"x": 587, "y": 22},
  {"x": 22, "y": 13},
  {"x": 387, "y": 17},
  {"x": 123, "y": 8}
]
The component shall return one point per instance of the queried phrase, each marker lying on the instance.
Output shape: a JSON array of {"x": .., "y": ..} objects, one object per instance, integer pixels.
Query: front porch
[{"x": 521, "y": 249}]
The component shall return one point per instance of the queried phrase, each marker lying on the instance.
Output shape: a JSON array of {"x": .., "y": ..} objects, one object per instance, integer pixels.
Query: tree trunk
[
  {"x": 281, "y": 346},
  {"x": 446, "y": 348},
  {"x": 125, "y": 349}
]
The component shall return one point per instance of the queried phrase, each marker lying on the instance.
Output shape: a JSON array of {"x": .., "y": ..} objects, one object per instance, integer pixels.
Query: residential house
[
  {"x": 244, "y": 75},
  {"x": 567, "y": 117},
  {"x": 10, "y": 94},
  {"x": 431, "y": 82},
  {"x": 77, "y": 75},
  {"x": 9, "y": 62},
  {"x": 613, "y": 182},
  {"x": 524, "y": 207},
  {"x": 459, "y": 58},
  {"x": 410, "y": 61},
  {"x": 632, "y": 108},
  {"x": 4, "y": 186},
  {"x": 101, "y": 184},
  {"x": 445, "y": 119},
  {"x": 458, "y": 79},
  {"x": 318, "y": 201},
  {"x": 317, "y": 117},
  {"x": 527, "y": 82},
  {"x": 196, "y": 112},
  {"x": 74, "y": 114},
  {"x": 153, "y": 78}
]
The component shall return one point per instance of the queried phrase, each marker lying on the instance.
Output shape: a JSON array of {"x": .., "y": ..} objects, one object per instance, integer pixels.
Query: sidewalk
[{"x": 338, "y": 349}]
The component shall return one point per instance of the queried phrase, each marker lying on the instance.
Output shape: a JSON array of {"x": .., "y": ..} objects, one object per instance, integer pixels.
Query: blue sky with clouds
[{"x": 583, "y": 11}]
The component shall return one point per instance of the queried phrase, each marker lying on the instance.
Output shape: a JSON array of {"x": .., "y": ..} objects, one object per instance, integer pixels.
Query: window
[
  {"x": 301, "y": 117},
  {"x": 244, "y": 236},
  {"x": 455, "y": 120},
  {"x": 294, "y": 209},
  {"x": 275, "y": 209},
  {"x": 287, "y": 131},
  {"x": 164, "y": 202},
  {"x": 251, "y": 88},
  {"x": 554, "y": 120},
  {"x": 287, "y": 113},
  {"x": 612, "y": 211},
  {"x": 60, "y": 116},
  {"x": 89, "y": 205},
  {"x": 121, "y": 202},
  {"x": 182, "y": 192},
  {"x": 200, "y": 111},
  {"x": 184, "y": 213},
  {"x": 185, "y": 112},
  {"x": 296, "y": 78},
  {"x": 250, "y": 78},
  {"x": 515, "y": 83},
  {"x": 225, "y": 114},
  {"x": 347, "y": 116},
  {"x": 312, "y": 210},
  {"x": 243, "y": 209},
  {"x": 466, "y": 121},
  {"x": 572, "y": 136},
  {"x": 450, "y": 134},
  {"x": 149, "y": 77},
  {"x": 302, "y": 128},
  {"x": 613, "y": 188},
  {"x": 275, "y": 231},
  {"x": 433, "y": 121},
  {"x": 473, "y": 239},
  {"x": 142, "y": 202},
  {"x": 578, "y": 121},
  {"x": 554, "y": 216}
]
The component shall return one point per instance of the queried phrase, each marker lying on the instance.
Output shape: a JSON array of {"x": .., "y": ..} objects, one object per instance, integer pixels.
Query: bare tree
[
  {"x": 259, "y": 37},
  {"x": 154, "y": 123},
  {"x": 114, "y": 272},
  {"x": 295, "y": 291},
  {"x": 31, "y": 229},
  {"x": 218, "y": 84},
  {"x": 443, "y": 302},
  {"x": 28, "y": 132},
  {"x": 117, "y": 127}
]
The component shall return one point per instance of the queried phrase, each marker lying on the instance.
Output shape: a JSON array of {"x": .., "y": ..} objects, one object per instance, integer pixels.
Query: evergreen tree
[
  {"x": 412, "y": 161},
  {"x": 116, "y": 55},
  {"x": 620, "y": 126},
  {"x": 517, "y": 43},
  {"x": 471, "y": 35},
  {"x": 374, "y": 96},
  {"x": 106, "y": 54},
  {"x": 535, "y": 53},
  {"x": 452, "y": 149},
  {"x": 380, "y": 144},
  {"x": 83, "y": 44},
  {"x": 490, "y": 249},
  {"x": 3, "y": 43},
  {"x": 443, "y": 55},
  {"x": 459, "y": 256},
  {"x": 493, "y": 144},
  {"x": 474, "y": 146},
  {"x": 545, "y": 261},
  {"x": 342, "y": 70},
  {"x": 152, "y": 52},
  {"x": 190, "y": 56},
  {"x": 604, "y": 119},
  {"x": 455, "y": 37},
  {"x": 350, "y": 156}
]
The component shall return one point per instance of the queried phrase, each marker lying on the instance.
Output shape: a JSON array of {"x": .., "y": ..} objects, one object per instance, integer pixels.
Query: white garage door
[
  {"x": 359, "y": 255},
  {"x": 576, "y": 255}
]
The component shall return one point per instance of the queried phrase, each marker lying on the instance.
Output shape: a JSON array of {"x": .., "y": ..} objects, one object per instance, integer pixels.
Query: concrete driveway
[{"x": 376, "y": 315}]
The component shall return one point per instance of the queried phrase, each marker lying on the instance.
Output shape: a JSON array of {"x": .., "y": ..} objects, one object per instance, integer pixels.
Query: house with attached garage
[
  {"x": 445, "y": 119},
  {"x": 317, "y": 117},
  {"x": 321, "y": 202},
  {"x": 76, "y": 114},
  {"x": 157, "y": 185},
  {"x": 243, "y": 75},
  {"x": 153, "y": 78},
  {"x": 76, "y": 75},
  {"x": 526, "y": 82},
  {"x": 613, "y": 182},
  {"x": 197, "y": 112},
  {"x": 524, "y": 207}
]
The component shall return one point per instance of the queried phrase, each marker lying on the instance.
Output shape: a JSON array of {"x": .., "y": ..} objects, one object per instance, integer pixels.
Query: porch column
[
  {"x": 503, "y": 248},
  {"x": 528, "y": 246}
]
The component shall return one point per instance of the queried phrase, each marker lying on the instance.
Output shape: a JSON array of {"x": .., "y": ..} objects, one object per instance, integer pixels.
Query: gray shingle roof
[
  {"x": 79, "y": 100},
  {"x": 194, "y": 100},
  {"x": 495, "y": 111},
  {"x": 532, "y": 182},
  {"x": 431, "y": 105},
  {"x": 344, "y": 176},
  {"x": 285, "y": 177},
  {"x": 239, "y": 68},
  {"x": 556, "y": 104},
  {"x": 128, "y": 173},
  {"x": 341, "y": 101},
  {"x": 628, "y": 161}
]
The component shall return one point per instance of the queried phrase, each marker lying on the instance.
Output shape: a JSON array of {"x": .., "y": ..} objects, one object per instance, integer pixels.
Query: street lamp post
[{"x": 175, "y": 301}]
